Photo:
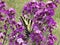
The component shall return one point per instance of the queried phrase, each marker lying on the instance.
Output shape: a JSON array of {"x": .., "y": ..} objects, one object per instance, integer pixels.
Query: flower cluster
[
  {"x": 35, "y": 25},
  {"x": 8, "y": 23},
  {"x": 41, "y": 14}
]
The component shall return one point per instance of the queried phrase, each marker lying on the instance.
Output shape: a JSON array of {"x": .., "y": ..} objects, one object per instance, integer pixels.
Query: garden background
[{"x": 18, "y": 6}]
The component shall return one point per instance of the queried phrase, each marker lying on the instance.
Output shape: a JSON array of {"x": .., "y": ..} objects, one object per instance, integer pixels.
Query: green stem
[{"x": 5, "y": 38}]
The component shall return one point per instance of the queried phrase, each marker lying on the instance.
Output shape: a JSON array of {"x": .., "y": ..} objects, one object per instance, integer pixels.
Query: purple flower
[
  {"x": 41, "y": 5},
  {"x": 2, "y": 4},
  {"x": 52, "y": 37},
  {"x": 57, "y": 1},
  {"x": 10, "y": 13},
  {"x": 51, "y": 4},
  {"x": 50, "y": 42},
  {"x": 30, "y": 9},
  {"x": 20, "y": 27},
  {"x": 16, "y": 38},
  {"x": 50, "y": 21},
  {"x": 49, "y": 12},
  {"x": 36, "y": 37}
]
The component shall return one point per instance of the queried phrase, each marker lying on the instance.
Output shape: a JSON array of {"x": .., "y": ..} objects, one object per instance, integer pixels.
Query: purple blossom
[
  {"x": 10, "y": 13},
  {"x": 41, "y": 5},
  {"x": 2, "y": 4},
  {"x": 50, "y": 21},
  {"x": 30, "y": 9},
  {"x": 51, "y": 4},
  {"x": 50, "y": 42},
  {"x": 20, "y": 27},
  {"x": 57, "y": 1},
  {"x": 35, "y": 36}
]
